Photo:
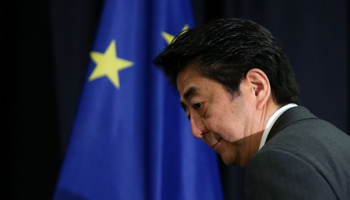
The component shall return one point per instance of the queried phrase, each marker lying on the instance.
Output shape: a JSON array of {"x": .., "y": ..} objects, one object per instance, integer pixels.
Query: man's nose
[{"x": 197, "y": 125}]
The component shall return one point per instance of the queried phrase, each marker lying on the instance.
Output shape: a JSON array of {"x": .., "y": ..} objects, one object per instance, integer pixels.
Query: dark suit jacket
[{"x": 304, "y": 158}]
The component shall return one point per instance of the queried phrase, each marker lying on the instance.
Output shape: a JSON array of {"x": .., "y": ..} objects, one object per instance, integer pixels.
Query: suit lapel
[{"x": 288, "y": 117}]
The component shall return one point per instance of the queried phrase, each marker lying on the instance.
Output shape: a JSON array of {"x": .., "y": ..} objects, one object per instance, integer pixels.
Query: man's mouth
[{"x": 216, "y": 143}]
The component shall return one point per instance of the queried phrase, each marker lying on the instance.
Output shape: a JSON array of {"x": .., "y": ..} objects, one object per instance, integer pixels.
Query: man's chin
[
  {"x": 229, "y": 161},
  {"x": 228, "y": 152},
  {"x": 229, "y": 156}
]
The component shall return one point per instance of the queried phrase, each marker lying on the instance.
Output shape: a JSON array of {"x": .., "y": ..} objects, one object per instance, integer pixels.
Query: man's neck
[{"x": 271, "y": 122}]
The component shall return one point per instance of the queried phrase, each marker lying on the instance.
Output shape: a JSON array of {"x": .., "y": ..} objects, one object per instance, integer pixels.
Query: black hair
[{"x": 225, "y": 50}]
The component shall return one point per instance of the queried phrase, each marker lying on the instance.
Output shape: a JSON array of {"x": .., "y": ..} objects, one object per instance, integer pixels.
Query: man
[{"x": 239, "y": 93}]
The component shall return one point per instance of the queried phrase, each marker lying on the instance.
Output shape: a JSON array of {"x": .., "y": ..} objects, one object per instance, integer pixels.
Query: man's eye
[{"x": 197, "y": 106}]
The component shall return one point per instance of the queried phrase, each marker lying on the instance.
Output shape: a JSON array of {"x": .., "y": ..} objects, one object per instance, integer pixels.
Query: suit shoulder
[
  {"x": 277, "y": 174},
  {"x": 311, "y": 133},
  {"x": 318, "y": 145}
]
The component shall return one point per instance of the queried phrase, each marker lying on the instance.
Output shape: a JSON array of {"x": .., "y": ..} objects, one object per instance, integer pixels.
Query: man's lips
[{"x": 216, "y": 143}]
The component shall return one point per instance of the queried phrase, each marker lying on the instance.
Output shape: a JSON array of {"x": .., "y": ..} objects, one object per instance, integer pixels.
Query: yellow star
[
  {"x": 168, "y": 37},
  {"x": 108, "y": 64}
]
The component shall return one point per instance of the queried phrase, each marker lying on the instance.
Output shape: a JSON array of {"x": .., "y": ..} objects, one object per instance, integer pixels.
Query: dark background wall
[{"x": 45, "y": 50}]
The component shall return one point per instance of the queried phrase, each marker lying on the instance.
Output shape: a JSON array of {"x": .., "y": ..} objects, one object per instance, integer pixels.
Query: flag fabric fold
[{"x": 131, "y": 139}]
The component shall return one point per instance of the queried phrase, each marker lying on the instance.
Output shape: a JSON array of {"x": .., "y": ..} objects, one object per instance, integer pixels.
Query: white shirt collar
[{"x": 272, "y": 120}]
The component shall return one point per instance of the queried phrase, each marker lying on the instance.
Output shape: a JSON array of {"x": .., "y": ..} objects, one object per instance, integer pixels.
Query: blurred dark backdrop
[{"x": 45, "y": 51}]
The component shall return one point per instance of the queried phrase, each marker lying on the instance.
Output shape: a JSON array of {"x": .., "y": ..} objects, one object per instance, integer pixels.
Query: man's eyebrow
[{"x": 192, "y": 91}]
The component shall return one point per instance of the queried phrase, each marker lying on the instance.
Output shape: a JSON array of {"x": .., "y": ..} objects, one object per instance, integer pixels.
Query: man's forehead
[{"x": 186, "y": 75}]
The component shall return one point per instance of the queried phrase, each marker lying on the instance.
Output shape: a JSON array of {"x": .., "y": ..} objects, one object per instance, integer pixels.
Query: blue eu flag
[{"x": 131, "y": 139}]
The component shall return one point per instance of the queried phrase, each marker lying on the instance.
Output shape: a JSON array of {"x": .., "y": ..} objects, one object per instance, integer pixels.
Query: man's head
[
  {"x": 225, "y": 50},
  {"x": 231, "y": 75}
]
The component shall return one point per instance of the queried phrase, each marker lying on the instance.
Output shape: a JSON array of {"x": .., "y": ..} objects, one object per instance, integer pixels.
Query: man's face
[{"x": 224, "y": 121}]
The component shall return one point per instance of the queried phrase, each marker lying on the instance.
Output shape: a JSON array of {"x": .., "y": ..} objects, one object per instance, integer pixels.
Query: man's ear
[{"x": 260, "y": 86}]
